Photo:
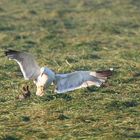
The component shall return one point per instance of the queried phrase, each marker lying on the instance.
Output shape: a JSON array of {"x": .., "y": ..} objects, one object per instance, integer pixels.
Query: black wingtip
[
  {"x": 9, "y": 51},
  {"x": 104, "y": 73}
]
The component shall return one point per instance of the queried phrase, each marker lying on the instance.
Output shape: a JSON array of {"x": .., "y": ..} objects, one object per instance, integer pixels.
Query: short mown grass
[{"x": 69, "y": 35}]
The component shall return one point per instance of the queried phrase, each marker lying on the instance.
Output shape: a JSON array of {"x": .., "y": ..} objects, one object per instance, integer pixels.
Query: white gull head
[{"x": 45, "y": 79}]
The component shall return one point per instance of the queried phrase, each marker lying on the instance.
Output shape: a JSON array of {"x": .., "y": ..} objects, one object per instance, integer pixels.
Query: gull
[{"x": 43, "y": 77}]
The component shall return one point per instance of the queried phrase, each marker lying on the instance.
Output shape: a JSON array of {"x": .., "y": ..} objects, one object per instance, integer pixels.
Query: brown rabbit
[{"x": 25, "y": 93}]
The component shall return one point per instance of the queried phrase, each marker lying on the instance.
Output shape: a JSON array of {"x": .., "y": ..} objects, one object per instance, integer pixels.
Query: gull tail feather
[{"x": 104, "y": 74}]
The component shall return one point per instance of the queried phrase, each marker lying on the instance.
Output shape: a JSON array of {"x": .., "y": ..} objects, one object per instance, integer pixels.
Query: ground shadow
[{"x": 66, "y": 97}]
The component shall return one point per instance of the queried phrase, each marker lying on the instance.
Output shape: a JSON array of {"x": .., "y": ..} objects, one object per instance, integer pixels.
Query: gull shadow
[{"x": 66, "y": 97}]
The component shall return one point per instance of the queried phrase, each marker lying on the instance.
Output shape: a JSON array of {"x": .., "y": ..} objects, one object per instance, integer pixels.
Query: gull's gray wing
[
  {"x": 80, "y": 79},
  {"x": 27, "y": 63}
]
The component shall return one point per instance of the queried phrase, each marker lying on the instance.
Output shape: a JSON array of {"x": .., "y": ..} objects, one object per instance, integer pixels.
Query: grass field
[{"x": 69, "y": 35}]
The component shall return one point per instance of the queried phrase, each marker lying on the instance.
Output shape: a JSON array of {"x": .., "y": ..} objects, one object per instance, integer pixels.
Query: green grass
[{"x": 69, "y": 35}]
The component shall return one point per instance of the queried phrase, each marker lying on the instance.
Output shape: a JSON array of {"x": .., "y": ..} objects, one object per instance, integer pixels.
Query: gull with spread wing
[{"x": 43, "y": 76}]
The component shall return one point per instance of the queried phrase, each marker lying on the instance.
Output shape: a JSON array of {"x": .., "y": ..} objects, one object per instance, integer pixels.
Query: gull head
[{"x": 41, "y": 83}]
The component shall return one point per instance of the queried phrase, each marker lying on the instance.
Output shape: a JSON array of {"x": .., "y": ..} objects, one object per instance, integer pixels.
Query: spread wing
[
  {"x": 80, "y": 79},
  {"x": 27, "y": 63}
]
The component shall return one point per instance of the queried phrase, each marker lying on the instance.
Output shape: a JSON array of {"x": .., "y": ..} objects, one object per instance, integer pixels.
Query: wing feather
[
  {"x": 27, "y": 63},
  {"x": 80, "y": 79},
  {"x": 75, "y": 80}
]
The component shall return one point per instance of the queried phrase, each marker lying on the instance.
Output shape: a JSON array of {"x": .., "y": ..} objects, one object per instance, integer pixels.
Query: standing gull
[{"x": 43, "y": 76}]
